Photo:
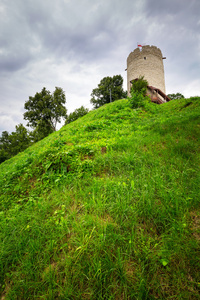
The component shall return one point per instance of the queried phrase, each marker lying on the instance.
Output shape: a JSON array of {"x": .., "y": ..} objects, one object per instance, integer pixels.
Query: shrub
[
  {"x": 139, "y": 86},
  {"x": 138, "y": 93}
]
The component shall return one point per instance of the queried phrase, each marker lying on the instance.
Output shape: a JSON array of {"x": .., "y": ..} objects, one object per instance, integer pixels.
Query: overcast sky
[{"x": 73, "y": 44}]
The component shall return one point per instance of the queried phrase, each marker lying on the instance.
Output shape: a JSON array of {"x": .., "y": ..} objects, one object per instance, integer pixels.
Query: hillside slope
[{"x": 105, "y": 208}]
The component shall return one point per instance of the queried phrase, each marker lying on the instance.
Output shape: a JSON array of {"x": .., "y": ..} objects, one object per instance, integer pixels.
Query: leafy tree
[
  {"x": 139, "y": 85},
  {"x": 109, "y": 89},
  {"x": 11, "y": 144},
  {"x": 40, "y": 131},
  {"x": 175, "y": 96},
  {"x": 138, "y": 93},
  {"x": 4, "y": 146},
  {"x": 20, "y": 139},
  {"x": 79, "y": 112},
  {"x": 45, "y": 110}
]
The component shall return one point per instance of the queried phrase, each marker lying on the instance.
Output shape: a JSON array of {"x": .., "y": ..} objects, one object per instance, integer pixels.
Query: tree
[
  {"x": 138, "y": 93},
  {"x": 79, "y": 112},
  {"x": 20, "y": 139},
  {"x": 175, "y": 96},
  {"x": 139, "y": 86},
  {"x": 109, "y": 89},
  {"x": 11, "y": 144},
  {"x": 4, "y": 146},
  {"x": 40, "y": 131},
  {"x": 44, "y": 111}
]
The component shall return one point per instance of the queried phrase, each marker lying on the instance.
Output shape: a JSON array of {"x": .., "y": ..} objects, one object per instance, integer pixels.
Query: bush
[
  {"x": 139, "y": 86},
  {"x": 78, "y": 113},
  {"x": 138, "y": 100},
  {"x": 138, "y": 93},
  {"x": 175, "y": 96}
]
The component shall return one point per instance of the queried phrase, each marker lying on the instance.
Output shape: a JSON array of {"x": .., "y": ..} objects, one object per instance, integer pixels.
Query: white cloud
[{"x": 192, "y": 88}]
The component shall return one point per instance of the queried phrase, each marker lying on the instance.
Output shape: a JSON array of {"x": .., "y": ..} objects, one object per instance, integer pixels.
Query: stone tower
[{"x": 147, "y": 62}]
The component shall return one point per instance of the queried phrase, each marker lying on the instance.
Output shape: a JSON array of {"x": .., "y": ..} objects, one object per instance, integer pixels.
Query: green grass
[{"x": 106, "y": 208}]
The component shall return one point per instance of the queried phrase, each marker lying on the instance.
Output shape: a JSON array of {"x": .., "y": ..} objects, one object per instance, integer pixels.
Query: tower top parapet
[{"x": 145, "y": 50}]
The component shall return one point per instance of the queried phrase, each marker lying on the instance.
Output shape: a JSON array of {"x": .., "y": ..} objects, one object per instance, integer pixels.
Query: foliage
[
  {"x": 175, "y": 96},
  {"x": 11, "y": 144},
  {"x": 44, "y": 111},
  {"x": 109, "y": 89},
  {"x": 40, "y": 131},
  {"x": 139, "y": 86},
  {"x": 105, "y": 208},
  {"x": 138, "y": 99},
  {"x": 79, "y": 112},
  {"x": 138, "y": 93}
]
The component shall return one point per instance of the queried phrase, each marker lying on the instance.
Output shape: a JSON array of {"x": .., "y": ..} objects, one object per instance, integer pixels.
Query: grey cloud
[
  {"x": 175, "y": 24},
  {"x": 74, "y": 44},
  {"x": 74, "y": 26},
  {"x": 68, "y": 29},
  {"x": 168, "y": 8},
  {"x": 12, "y": 62}
]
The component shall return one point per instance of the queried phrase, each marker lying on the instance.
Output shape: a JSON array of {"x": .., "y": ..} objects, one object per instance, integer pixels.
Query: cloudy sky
[{"x": 73, "y": 44}]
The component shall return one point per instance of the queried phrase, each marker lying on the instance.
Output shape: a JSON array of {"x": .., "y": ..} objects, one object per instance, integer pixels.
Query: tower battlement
[{"x": 147, "y": 62}]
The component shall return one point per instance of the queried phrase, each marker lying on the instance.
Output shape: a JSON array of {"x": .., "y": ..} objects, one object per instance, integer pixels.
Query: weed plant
[{"x": 105, "y": 208}]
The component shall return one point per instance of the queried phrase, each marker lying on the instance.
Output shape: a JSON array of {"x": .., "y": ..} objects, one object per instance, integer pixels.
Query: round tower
[{"x": 147, "y": 62}]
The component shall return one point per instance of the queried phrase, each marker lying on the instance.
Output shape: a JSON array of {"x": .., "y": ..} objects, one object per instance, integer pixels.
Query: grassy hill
[{"x": 106, "y": 208}]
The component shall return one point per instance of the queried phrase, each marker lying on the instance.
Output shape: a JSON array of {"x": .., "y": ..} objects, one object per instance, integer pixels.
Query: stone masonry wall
[{"x": 148, "y": 63}]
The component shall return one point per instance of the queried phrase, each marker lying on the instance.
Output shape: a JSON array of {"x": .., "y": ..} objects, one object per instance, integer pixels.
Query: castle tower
[{"x": 147, "y": 62}]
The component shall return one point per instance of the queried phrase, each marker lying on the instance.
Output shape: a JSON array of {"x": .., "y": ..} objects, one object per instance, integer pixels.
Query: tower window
[{"x": 145, "y": 58}]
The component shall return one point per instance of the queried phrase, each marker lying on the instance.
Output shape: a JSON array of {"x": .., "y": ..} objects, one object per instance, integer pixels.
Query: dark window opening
[{"x": 145, "y": 57}]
